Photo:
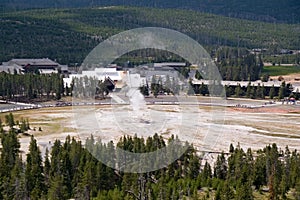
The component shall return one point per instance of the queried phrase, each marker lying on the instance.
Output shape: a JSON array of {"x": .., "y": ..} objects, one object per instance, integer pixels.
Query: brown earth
[{"x": 268, "y": 109}]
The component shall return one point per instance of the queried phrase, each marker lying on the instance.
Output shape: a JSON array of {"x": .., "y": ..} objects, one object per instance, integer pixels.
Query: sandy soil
[
  {"x": 267, "y": 109},
  {"x": 288, "y": 78}
]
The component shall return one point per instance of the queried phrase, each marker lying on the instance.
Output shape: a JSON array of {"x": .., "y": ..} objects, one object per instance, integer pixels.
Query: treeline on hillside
[
  {"x": 146, "y": 56},
  {"x": 68, "y": 35},
  {"x": 27, "y": 87},
  {"x": 70, "y": 171},
  {"x": 271, "y": 11},
  {"x": 237, "y": 64},
  {"x": 43, "y": 38}
]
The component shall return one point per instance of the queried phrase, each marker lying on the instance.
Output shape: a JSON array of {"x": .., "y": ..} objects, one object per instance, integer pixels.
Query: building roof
[
  {"x": 100, "y": 74},
  {"x": 64, "y": 67},
  {"x": 11, "y": 68},
  {"x": 34, "y": 62},
  {"x": 170, "y": 64}
]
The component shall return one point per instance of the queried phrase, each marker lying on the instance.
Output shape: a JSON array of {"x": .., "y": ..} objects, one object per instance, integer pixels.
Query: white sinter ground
[{"x": 208, "y": 128}]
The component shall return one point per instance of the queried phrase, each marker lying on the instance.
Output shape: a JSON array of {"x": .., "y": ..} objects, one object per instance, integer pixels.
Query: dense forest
[
  {"x": 68, "y": 35},
  {"x": 31, "y": 86},
  {"x": 40, "y": 87},
  {"x": 68, "y": 170},
  {"x": 170, "y": 86},
  {"x": 237, "y": 66},
  {"x": 254, "y": 92},
  {"x": 267, "y": 10}
]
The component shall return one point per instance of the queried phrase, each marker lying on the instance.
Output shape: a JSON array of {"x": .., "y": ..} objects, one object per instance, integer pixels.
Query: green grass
[{"x": 280, "y": 70}]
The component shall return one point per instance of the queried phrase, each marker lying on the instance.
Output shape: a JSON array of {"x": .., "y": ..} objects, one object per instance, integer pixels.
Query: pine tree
[
  {"x": 1, "y": 127},
  {"x": 47, "y": 168},
  {"x": 231, "y": 148},
  {"x": 238, "y": 91},
  {"x": 9, "y": 154},
  {"x": 218, "y": 193},
  {"x": 259, "y": 92},
  {"x": 282, "y": 90},
  {"x": 227, "y": 192},
  {"x": 248, "y": 91},
  {"x": 206, "y": 175},
  {"x": 220, "y": 170},
  {"x": 259, "y": 175},
  {"x": 34, "y": 171},
  {"x": 273, "y": 171},
  {"x": 297, "y": 188},
  {"x": 57, "y": 189},
  {"x": 244, "y": 191},
  {"x": 253, "y": 93},
  {"x": 272, "y": 92},
  {"x": 198, "y": 75},
  {"x": 10, "y": 120},
  {"x": 18, "y": 181}
]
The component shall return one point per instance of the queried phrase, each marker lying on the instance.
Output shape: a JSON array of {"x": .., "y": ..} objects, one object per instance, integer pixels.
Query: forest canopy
[{"x": 69, "y": 170}]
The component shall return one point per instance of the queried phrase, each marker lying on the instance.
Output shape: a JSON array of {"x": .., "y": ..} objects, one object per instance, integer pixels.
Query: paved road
[{"x": 160, "y": 100}]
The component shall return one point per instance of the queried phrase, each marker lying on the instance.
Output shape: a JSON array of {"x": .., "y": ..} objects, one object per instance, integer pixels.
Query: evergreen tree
[
  {"x": 18, "y": 181},
  {"x": 282, "y": 90},
  {"x": 260, "y": 92},
  {"x": 203, "y": 89},
  {"x": 34, "y": 171},
  {"x": 10, "y": 120},
  {"x": 259, "y": 174},
  {"x": 273, "y": 171},
  {"x": 297, "y": 188},
  {"x": 238, "y": 91},
  {"x": 57, "y": 189},
  {"x": 1, "y": 127},
  {"x": 9, "y": 152},
  {"x": 244, "y": 191},
  {"x": 144, "y": 90},
  {"x": 8, "y": 158},
  {"x": 220, "y": 170},
  {"x": 227, "y": 192},
  {"x": 248, "y": 91},
  {"x": 198, "y": 75},
  {"x": 272, "y": 92},
  {"x": 253, "y": 93},
  {"x": 47, "y": 168},
  {"x": 206, "y": 175}
]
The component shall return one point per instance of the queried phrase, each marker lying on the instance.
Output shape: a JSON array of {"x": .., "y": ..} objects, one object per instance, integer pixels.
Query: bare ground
[{"x": 208, "y": 128}]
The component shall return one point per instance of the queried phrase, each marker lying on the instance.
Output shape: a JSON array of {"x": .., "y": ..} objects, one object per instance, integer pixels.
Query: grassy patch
[{"x": 280, "y": 70}]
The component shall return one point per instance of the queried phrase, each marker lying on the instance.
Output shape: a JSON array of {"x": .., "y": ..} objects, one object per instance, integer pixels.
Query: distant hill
[
  {"x": 69, "y": 34},
  {"x": 285, "y": 11}
]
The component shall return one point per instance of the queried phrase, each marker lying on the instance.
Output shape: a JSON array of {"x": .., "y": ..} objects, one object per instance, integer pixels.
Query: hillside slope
[
  {"x": 286, "y": 11},
  {"x": 69, "y": 34}
]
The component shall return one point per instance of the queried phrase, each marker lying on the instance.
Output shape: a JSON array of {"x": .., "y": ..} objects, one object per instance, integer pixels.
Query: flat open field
[
  {"x": 208, "y": 128},
  {"x": 280, "y": 70}
]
